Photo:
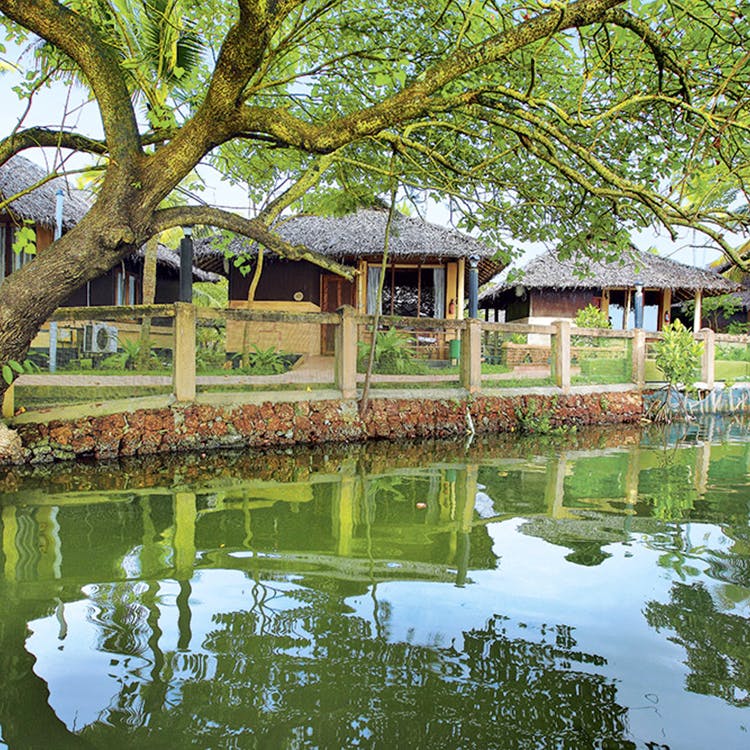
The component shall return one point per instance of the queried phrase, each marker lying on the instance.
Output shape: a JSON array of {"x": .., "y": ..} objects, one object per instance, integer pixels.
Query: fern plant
[
  {"x": 393, "y": 355},
  {"x": 262, "y": 361}
]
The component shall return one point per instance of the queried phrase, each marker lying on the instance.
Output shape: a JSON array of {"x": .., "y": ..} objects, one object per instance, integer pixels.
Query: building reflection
[{"x": 305, "y": 548}]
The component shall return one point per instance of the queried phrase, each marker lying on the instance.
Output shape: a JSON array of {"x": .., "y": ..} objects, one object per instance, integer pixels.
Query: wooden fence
[{"x": 560, "y": 352}]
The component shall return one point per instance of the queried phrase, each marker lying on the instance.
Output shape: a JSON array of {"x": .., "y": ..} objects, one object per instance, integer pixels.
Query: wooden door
[{"x": 335, "y": 291}]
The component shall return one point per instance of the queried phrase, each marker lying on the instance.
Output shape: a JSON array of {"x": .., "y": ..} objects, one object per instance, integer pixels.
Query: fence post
[
  {"x": 561, "y": 354},
  {"x": 183, "y": 356},
  {"x": 346, "y": 353},
  {"x": 471, "y": 355},
  {"x": 639, "y": 357},
  {"x": 9, "y": 402},
  {"x": 707, "y": 361}
]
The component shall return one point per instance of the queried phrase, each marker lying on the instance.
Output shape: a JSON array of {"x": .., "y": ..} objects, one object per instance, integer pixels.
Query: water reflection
[{"x": 505, "y": 595}]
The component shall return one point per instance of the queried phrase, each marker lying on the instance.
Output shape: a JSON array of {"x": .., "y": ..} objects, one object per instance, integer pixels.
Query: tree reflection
[
  {"x": 717, "y": 643},
  {"x": 311, "y": 673}
]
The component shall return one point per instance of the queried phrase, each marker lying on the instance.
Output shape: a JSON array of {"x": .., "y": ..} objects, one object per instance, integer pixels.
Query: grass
[
  {"x": 45, "y": 396},
  {"x": 520, "y": 383}
]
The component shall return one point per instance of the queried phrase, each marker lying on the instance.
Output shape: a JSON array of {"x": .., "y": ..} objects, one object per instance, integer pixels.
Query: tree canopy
[{"x": 573, "y": 123}]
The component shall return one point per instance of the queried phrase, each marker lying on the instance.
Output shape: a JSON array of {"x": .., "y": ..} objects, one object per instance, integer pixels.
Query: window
[
  {"x": 17, "y": 260},
  {"x": 408, "y": 292}
]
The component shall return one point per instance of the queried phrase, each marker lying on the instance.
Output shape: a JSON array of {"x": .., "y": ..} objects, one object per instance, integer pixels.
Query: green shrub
[
  {"x": 737, "y": 329},
  {"x": 134, "y": 355},
  {"x": 533, "y": 419},
  {"x": 678, "y": 355},
  {"x": 262, "y": 361},
  {"x": 733, "y": 353},
  {"x": 592, "y": 317}
]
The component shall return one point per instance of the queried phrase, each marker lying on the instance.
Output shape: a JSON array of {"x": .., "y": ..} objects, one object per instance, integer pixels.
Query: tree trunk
[
  {"x": 149, "y": 294},
  {"x": 31, "y": 294}
]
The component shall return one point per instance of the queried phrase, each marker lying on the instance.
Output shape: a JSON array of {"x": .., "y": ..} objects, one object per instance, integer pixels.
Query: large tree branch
[
  {"x": 416, "y": 99},
  {"x": 79, "y": 38},
  {"x": 662, "y": 53},
  {"x": 223, "y": 116},
  {"x": 41, "y": 137},
  {"x": 239, "y": 59},
  {"x": 47, "y": 137},
  {"x": 167, "y": 218}
]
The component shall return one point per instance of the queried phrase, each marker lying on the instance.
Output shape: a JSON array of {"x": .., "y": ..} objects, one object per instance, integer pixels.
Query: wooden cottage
[
  {"x": 35, "y": 208},
  {"x": 549, "y": 289},
  {"x": 121, "y": 285},
  {"x": 426, "y": 275}
]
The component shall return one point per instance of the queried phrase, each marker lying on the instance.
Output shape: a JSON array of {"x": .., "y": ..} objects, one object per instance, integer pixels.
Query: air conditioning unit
[{"x": 99, "y": 338}]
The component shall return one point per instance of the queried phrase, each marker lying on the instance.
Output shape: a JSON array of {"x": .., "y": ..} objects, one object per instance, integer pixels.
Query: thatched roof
[
  {"x": 168, "y": 262},
  {"x": 19, "y": 174},
  {"x": 360, "y": 235},
  {"x": 655, "y": 272}
]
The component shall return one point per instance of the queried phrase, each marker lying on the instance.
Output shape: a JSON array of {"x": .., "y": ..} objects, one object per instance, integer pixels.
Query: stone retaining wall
[{"x": 200, "y": 427}]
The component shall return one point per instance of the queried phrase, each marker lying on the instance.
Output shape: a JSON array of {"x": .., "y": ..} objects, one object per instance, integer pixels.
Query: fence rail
[{"x": 471, "y": 354}]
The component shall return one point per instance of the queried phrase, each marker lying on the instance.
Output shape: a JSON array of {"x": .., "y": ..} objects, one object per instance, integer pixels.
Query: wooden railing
[{"x": 565, "y": 351}]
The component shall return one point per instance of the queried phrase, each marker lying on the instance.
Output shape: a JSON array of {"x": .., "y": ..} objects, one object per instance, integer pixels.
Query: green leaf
[{"x": 7, "y": 374}]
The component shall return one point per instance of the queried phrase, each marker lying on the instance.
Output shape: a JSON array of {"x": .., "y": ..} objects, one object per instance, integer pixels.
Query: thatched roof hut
[
  {"x": 168, "y": 262},
  {"x": 548, "y": 272},
  {"x": 19, "y": 174},
  {"x": 360, "y": 235},
  {"x": 38, "y": 205}
]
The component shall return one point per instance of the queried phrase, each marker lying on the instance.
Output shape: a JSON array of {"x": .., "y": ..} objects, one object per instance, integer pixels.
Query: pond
[{"x": 589, "y": 592}]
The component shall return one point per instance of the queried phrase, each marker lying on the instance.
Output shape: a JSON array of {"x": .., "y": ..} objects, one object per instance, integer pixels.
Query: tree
[{"x": 542, "y": 120}]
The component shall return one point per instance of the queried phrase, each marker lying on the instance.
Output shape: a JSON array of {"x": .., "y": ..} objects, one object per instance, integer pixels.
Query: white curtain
[
  {"x": 438, "y": 279},
  {"x": 373, "y": 282}
]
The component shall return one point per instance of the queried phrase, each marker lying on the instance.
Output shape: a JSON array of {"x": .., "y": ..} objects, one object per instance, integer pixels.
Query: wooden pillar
[
  {"x": 460, "y": 278},
  {"x": 471, "y": 356},
  {"x": 346, "y": 353},
  {"x": 605, "y": 302},
  {"x": 183, "y": 356},
  {"x": 707, "y": 361},
  {"x": 638, "y": 353},
  {"x": 666, "y": 307},
  {"x": 361, "y": 301},
  {"x": 698, "y": 314},
  {"x": 626, "y": 310},
  {"x": 9, "y": 402},
  {"x": 561, "y": 354}
]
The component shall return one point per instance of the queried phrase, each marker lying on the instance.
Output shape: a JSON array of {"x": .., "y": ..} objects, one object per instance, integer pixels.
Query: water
[{"x": 592, "y": 592}]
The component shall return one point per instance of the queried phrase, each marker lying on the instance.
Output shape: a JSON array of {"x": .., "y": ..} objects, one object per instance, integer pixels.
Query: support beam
[
  {"x": 698, "y": 314},
  {"x": 561, "y": 354},
  {"x": 183, "y": 364},
  {"x": 473, "y": 286},
  {"x": 9, "y": 402},
  {"x": 638, "y": 303},
  {"x": 471, "y": 356},
  {"x": 346, "y": 353},
  {"x": 186, "y": 266},
  {"x": 639, "y": 357},
  {"x": 707, "y": 361}
]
